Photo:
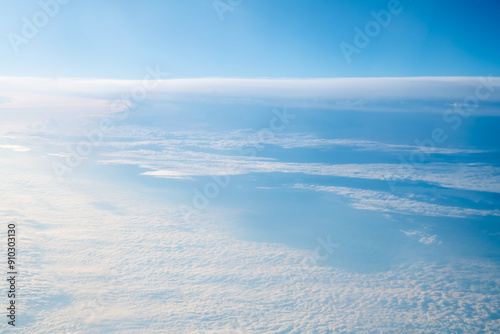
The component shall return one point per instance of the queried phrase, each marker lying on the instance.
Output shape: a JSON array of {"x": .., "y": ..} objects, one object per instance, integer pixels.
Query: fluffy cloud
[
  {"x": 423, "y": 237},
  {"x": 123, "y": 266},
  {"x": 104, "y": 257}
]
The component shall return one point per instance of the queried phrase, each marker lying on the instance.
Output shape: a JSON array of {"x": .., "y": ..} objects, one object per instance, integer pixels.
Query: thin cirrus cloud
[
  {"x": 235, "y": 140},
  {"x": 177, "y": 155},
  {"x": 176, "y": 163},
  {"x": 370, "y": 94},
  {"x": 15, "y": 148},
  {"x": 364, "y": 199}
]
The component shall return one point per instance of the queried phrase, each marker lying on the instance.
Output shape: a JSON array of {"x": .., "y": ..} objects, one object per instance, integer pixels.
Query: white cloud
[
  {"x": 16, "y": 148},
  {"x": 423, "y": 237},
  {"x": 234, "y": 140},
  {"x": 177, "y": 162},
  {"x": 429, "y": 239},
  {"x": 89, "y": 270},
  {"x": 386, "y": 202},
  {"x": 102, "y": 257},
  {"x": 177, "y": 155},
  {"x": 77, "y": 95}
]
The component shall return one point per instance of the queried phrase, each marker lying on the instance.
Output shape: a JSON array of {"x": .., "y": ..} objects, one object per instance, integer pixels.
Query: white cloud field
[
  {"x": 102, "y": 258},
  {"x": 314, "y": 233}
]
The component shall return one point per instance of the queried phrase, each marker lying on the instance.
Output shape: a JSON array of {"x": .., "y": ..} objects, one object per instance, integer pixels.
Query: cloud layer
[
  {"x": 385, "y": 202},
  {"x": 122, "y": 266},
  {"x": 381, "y": 94}
]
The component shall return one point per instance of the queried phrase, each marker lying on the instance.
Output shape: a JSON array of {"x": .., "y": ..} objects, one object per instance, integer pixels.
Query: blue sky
[
  {"x": 117, "y": 39},
  {"x": 175, "y": 169}
]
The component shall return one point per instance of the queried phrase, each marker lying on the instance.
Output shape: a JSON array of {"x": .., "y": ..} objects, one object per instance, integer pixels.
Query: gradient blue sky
[{"x": 259, "y": 38}]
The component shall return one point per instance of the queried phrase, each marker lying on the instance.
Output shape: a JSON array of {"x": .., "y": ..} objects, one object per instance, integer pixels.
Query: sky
[
  {"x": 241, "y": 166},
  {"x": 281, "y": 38}
]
